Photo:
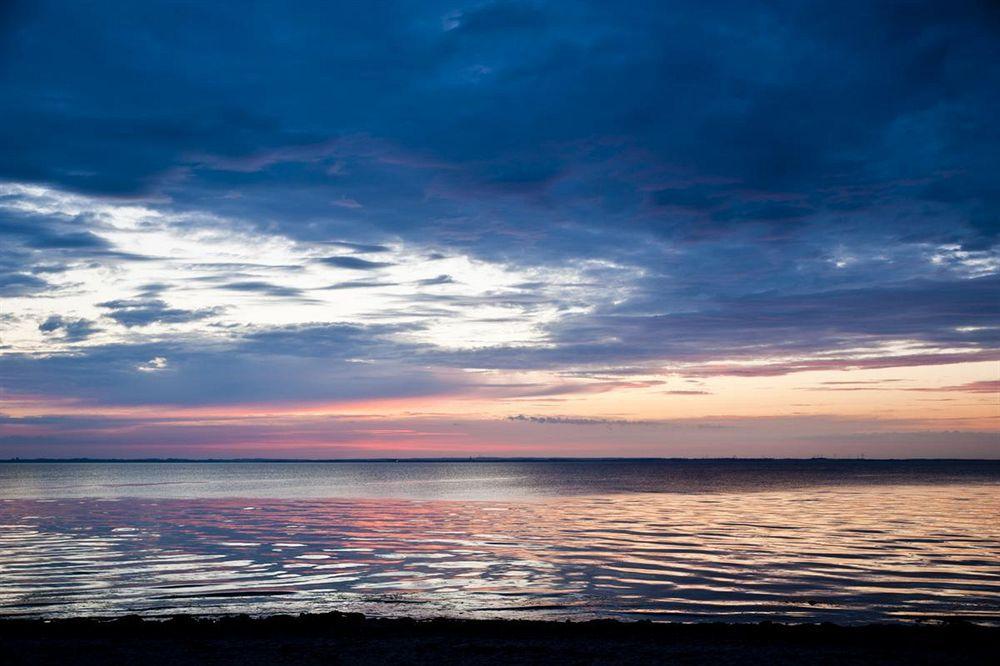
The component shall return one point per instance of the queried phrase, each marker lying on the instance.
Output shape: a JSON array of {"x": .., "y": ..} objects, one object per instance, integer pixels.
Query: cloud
[
  {"x": 342, "y": 341},
  {"x": 860, "y": 382},
  {"x": 491, "y": 17},
  {"x": 361, "y": 248},
  {"x": 143, "y": 312},
  {"x": 21, "y": 284},
  {"x": 360, "y": 284},
  {"x": 317, "y": 363},
  {"x": 54, "y": 235},
  {"x": 155, "y": 364},
  {"x": 608, "y": 115},
  {"x": 77, "y": 240},
  {"x": 772, "y": 333},
  {"x": 354, "y": 263},
  {"x": 346, "y": 202},
  {"x": 264, "y": 288},
  {"x": 761, "y": 191},
  {"x": 440, "y": 279},
  {"x": 71, "y": 330},
  {"x": 989, "y": 387},
  {"x": 578, "y": 421},
  {"x": 843, "y": 363},
  {"x": 46, "y": 232}
]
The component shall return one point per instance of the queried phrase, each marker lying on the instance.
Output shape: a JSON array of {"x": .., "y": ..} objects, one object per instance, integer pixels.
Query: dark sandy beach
[{"x": 338, "y": 638}]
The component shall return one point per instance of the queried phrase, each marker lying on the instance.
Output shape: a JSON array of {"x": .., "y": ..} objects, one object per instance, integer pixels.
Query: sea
[{"x": 845, "y": 541}]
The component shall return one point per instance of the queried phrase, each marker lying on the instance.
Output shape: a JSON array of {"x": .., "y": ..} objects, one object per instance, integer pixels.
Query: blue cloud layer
[{"x": 780, "y": 178}]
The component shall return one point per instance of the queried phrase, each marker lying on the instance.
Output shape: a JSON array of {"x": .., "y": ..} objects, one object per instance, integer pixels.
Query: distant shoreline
[
  {"x": 349, "y": 638},
  {"x": 487, "y": 459}
]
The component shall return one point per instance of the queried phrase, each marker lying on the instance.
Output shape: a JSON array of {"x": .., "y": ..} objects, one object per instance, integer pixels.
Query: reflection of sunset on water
[{"x": 854, "y": 552}]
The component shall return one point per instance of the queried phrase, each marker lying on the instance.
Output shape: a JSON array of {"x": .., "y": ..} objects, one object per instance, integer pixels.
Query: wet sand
[{"x": 339, "y": 638}]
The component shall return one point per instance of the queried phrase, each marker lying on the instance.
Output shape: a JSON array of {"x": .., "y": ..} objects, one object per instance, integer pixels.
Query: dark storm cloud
[
  {"x": 713, "y": 110},
  {"x": 492, "y": 17}
]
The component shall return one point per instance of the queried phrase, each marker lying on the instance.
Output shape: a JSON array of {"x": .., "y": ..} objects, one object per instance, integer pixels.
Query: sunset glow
[{"x": 511, "y": 238}]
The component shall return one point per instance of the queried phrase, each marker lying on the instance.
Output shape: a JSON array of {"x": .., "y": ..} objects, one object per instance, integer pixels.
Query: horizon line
[{"x": 485, "y": 459}]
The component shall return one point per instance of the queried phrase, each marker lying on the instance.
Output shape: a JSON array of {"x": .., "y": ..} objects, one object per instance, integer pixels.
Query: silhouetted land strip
[
  {"x": 490, "y": 459},
  {"x": 338, "y": 638}
]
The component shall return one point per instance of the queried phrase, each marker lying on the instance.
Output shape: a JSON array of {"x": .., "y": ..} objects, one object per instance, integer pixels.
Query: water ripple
[{"x": 858, "y": 555}]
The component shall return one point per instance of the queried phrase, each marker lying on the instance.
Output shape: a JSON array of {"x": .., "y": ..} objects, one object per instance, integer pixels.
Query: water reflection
[
  {"x": 478, "y": 481},
  {"x": 845, "y": 554}
]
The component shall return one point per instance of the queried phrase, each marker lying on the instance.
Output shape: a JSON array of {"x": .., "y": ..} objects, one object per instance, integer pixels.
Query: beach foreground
[{"x": 347, "y": 638}]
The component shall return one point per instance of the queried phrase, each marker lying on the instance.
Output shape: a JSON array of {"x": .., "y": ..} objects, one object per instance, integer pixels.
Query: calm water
[{"x": 690, "y": 541}]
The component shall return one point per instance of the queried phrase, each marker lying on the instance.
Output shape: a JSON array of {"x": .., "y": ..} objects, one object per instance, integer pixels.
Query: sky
[{"x": 566, "y": 228}]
